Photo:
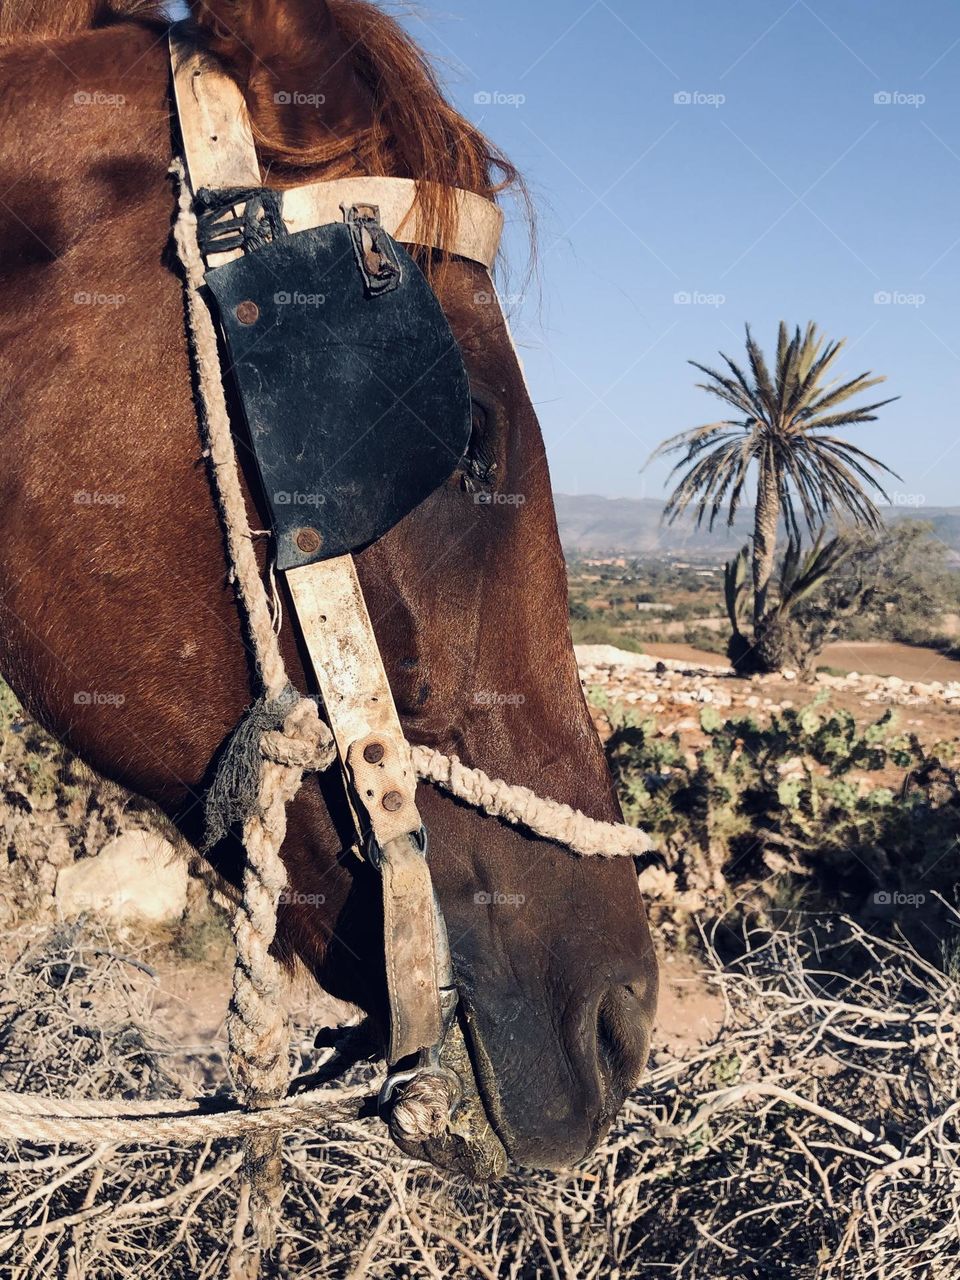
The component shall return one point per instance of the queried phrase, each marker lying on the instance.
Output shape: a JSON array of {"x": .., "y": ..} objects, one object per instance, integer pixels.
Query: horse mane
[
  {"x": 415, "y": 133},
  {"x": 43, "y": 19}
]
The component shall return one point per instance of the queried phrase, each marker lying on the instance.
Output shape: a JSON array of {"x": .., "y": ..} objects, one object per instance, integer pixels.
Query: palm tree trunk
[{"x": 766, "y": 522}]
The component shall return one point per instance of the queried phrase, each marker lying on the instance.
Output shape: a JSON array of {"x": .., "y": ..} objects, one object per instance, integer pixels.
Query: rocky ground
[
  {"x": 753, "y": 1066},
  {"x": 674, "y": 692}
]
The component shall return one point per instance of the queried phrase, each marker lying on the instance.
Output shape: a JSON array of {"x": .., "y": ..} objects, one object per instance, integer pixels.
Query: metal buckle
[
  {"x": 373, "y": 248},
  {"x": 428, "y": 1060},
  {"x": 373, "y": 853}
]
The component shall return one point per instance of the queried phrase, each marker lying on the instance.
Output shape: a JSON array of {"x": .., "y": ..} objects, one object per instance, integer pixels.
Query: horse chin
[{"x": 469, "y": 1147}]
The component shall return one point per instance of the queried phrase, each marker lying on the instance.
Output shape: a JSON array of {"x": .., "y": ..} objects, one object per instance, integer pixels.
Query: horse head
[{"x": 467, "y": 594}]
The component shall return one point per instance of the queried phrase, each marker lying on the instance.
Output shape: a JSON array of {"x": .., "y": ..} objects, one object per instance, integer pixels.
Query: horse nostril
[
  {"x": 623, "y": 1032},
  {"x": 608, "y": 1049}
]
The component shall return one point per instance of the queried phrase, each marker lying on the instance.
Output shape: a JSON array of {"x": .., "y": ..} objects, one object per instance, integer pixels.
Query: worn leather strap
[
  {"x": 477, "y": 234},
  {"x": 327, "y": 597},
  {"x": 220, "y": 152}
]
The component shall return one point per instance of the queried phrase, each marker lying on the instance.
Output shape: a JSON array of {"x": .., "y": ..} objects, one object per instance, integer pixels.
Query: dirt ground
[
  {"x": 690, "y": 1011},
  {"x": 873, "y": 657}
]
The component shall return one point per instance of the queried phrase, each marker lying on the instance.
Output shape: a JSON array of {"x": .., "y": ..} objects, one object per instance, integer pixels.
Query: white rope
[
  {"x": 27, "y": 1117},
  {"x": 257, "y": 1024},
  {"x": 524, "y": 808}
]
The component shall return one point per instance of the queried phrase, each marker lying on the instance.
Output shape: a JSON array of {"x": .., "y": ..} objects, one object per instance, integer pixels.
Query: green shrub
[{"x": 792, "y": 798}]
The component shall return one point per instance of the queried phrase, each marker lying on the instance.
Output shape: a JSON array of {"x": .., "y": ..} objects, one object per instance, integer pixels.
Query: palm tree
[{"x": 784, "y": 423}]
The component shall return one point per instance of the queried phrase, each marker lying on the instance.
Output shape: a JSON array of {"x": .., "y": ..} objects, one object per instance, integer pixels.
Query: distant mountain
[{"x": 589, "y": 523}]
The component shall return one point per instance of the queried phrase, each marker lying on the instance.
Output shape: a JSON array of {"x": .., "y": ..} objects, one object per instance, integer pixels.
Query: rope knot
[
  {"x": 422, "y": 1111},
  {"x": 304, "y": 742}
]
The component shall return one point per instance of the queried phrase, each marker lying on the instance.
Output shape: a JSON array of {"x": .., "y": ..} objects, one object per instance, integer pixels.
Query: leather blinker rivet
[
  {"x": 374, "y": 752},
  {"x": 309, "y": 541},
  {"x": 393, "y": 801},
  {"x": 248, "y": 312}
]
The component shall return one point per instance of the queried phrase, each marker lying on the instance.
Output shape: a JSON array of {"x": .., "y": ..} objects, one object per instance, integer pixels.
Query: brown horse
[{"x": 118, "y": 627}]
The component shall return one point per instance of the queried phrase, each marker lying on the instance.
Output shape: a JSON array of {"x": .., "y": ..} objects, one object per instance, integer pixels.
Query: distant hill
[{"x": 589, "y": 523}]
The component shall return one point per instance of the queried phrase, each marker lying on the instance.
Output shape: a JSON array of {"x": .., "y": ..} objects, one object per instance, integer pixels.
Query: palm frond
[
  {"x": 705, "y": 483},
  {"x": 735, "y": 391},
  {"x": 816, "y": 404},
  {"x": 803, "y": 575},
  {"x": 735, "y": 588},
  {"x": 849, "y": 418},
  {"x": 765, "y": 391}
]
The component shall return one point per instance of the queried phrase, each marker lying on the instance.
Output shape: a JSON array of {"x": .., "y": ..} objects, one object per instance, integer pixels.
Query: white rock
[
  {"x": 136, "y": 876},
  {"x": 606, "y": 655}
]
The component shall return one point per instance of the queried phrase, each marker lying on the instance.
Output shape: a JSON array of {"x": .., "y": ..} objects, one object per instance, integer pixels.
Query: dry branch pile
[{"x": 815, "y": 1140}]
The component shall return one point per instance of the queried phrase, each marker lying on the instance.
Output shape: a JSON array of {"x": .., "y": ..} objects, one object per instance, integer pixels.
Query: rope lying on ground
[{"x": 30, "y": 1117}]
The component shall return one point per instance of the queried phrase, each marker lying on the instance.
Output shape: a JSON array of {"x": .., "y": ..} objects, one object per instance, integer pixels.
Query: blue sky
[{"x": 782, "y": 189}]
